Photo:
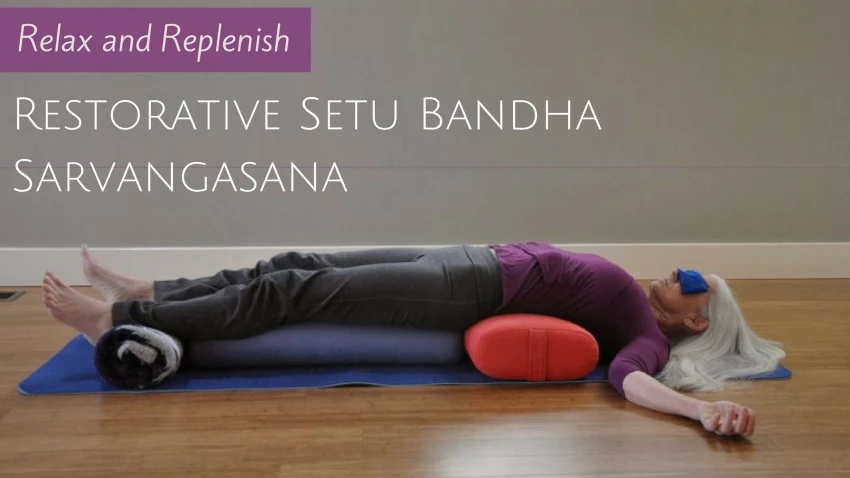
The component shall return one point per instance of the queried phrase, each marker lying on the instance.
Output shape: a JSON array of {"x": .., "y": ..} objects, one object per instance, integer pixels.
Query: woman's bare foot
[
  {"x": 90, "y": 317},
  {"x": 113, "y": 286}
]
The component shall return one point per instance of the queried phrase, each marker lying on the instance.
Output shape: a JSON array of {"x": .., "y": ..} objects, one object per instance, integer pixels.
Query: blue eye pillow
[{"x": 692, "y": 282}]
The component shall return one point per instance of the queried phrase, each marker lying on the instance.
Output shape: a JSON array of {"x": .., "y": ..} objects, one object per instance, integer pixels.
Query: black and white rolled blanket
[{"x": 135, "y": 357}]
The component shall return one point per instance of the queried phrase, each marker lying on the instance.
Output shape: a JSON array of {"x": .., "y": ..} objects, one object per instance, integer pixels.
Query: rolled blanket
[{"x": 137, "y": 357}]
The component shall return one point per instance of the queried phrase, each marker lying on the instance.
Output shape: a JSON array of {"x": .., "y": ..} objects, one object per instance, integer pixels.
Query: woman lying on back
[{"x": 688, "y": 333}]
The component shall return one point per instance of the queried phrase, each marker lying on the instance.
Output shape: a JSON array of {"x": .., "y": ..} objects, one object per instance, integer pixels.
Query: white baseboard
[{"x": 25, "y": 266}]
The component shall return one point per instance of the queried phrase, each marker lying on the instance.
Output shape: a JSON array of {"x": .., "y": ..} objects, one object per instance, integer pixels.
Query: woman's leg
[
  {"x": 448, "y": 289},
  {"x": 113, "y": 286},
  {"x": 90, "y": 317},
  {"x": 186, "y": 289},
  {"x": 118, "y": 288}
]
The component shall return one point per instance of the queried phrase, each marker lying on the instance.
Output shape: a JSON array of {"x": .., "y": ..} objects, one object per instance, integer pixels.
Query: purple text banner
[{"x": 155, "y": 40}]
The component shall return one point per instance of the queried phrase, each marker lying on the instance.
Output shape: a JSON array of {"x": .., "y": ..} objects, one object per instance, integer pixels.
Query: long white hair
[{"x": 728, "y": 349}]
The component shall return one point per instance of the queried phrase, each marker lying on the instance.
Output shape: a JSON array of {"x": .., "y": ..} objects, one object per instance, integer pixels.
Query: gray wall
[{"x": 723, "y": 121}]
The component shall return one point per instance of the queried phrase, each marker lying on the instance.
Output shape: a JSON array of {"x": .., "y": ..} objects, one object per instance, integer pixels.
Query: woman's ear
[{"x": 696, "y": 323}]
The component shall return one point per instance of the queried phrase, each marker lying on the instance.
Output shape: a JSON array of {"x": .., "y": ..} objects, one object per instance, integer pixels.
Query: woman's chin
[{"x": 654, "y": 285}]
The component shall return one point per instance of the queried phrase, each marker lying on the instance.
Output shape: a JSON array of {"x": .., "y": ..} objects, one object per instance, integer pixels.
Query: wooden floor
[{"x": 803, "y": 424}]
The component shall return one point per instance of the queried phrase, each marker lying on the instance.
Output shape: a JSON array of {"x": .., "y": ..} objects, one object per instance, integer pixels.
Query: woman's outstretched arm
[
  {"x": 631, "y": 375},
  {"x": 722, "y": 417}
]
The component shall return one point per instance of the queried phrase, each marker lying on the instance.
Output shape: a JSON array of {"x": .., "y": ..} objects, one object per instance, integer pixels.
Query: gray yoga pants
[{"x": 448, "y": 288}]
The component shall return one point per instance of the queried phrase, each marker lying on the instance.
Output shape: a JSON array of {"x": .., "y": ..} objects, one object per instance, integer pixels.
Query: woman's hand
[{"x": 727, "y": 418}]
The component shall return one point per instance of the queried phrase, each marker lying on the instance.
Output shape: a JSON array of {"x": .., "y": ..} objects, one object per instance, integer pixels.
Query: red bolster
[{"x": 531, "y": 347}]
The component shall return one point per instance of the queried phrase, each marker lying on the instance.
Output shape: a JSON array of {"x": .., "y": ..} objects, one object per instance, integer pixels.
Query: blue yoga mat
[{"x": 72, "y": 371}]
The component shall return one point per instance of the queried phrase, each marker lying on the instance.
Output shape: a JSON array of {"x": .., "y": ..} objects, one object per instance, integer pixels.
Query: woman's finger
[
  {"x": 728, "y": 422},
  {"x": 742, "y": 422},
  {"x": 751, "y": 423},
  {"x": 715, "y": 422}
]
